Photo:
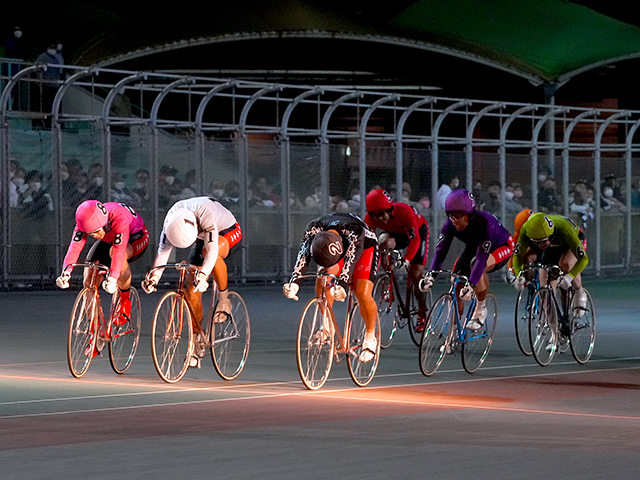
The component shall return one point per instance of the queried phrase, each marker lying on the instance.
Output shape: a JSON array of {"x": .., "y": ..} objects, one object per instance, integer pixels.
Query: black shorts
[
  {"x": 99, "y": 251},
  {"x": 402, "y": 241}
]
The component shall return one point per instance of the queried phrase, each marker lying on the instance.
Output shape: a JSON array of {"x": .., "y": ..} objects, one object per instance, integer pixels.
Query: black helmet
[{"x": 327, "y": 248}]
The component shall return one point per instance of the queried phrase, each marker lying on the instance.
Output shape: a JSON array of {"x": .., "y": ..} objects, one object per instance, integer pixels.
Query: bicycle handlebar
[
  {"x": 97, "y": 266},
  {"x": 548, "y": 268},
  {"x": 331, "y": 276},
  {"x": 177, "y": 266},
  {"x": 450, "y": 273}
]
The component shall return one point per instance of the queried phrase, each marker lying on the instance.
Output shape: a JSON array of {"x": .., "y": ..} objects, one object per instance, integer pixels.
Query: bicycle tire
[
  {"x": 476, "y": 345},
  {"x": 315, "y": 345},
  {"x": 582, "y": 330},
  {"x": 81, "y": 339},
  {"x": 384, "y": 297},
  {"x": 416, "y": 336},
  {"x": 523, "y": 304},
  {"x": 230, "y": 340},
  {"x": 171, "y": 337},
  {"x": 543, "y": 326},
  {"x": 361, "y": 372},
  {"x": 437, "y": 334},
  {"x": 126, "y": 337}
]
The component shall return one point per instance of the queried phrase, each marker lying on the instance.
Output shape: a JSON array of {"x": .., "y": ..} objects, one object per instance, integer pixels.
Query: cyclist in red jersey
[
  {"x": 122, "y": 238},
  {"x": 402, "y": 227}
]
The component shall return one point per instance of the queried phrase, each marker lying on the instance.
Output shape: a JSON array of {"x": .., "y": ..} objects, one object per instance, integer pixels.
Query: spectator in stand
[
  {"x": 49, "y": 80},
  {"x": 232, "y": 195},
  {"x": 610, "y": 202},
  {"x": 96, "y": 181},
  {"x": 35, "y": 201},
  {"x": 190, "y": 185},
  {"x": 354, "y": 200},
  {"x": 548, "y": 200},
  {"x": 216, "y": 190},
  {"x": 445, "y": 189},
  {"x": 169, "y": 187},
  {"x": 493, "y": 202},
  {"x": 13, "y": 49},
  {"x": 80, "y": 193},
  {"x": 314, "y": 200},
  {"x": 510, "y": 204},
  {"x": 119, "y": 191},
  {"x": 294, "y": 201},
  {"x": 16, "y": 181},
  {"x": 142, "y": 193},
  {"x": 519, "y": 196},
  {"x": 581, "y": 206},
  {"x": 611, "y": 182},
  {"x": 635, "y": 194}
]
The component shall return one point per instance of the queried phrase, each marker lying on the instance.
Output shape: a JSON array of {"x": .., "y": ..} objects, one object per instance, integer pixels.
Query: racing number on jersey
[
  {"x": 117, "y": 240},
  {"x": 102, "y": 208},
  {"x": 486, "y": 246},
  {"x": 131, "y": 210},
  {"x": 579, "y": 251},
  {"x": 78, "y": 236}
]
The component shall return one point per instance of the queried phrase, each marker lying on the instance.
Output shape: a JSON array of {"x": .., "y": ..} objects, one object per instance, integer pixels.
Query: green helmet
[{"x": 539, "y": 226}]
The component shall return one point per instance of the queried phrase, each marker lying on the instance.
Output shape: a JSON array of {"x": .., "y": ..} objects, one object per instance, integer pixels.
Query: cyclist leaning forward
[
  {"x": 122, "y": 239},
  {"x": 553, "y": 240},
  {"x": 214, "y": 232},
  {"x": 342, "y": 244},
  {"x": 403, "y": 227},
  {"x": 488, "y": 246}
]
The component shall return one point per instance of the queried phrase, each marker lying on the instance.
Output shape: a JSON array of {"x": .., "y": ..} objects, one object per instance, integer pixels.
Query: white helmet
[{"x": 181, "y": 228}]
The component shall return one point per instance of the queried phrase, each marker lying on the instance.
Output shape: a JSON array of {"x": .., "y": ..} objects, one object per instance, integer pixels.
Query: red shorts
[
  {"x": 503, "y": 253},
  {"x": 366, "y": 267},
  {"x": 233, "y": 235}
]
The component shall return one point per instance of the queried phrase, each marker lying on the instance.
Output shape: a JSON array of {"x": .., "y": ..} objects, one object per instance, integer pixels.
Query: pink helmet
[{"x": 91, "y": 216}]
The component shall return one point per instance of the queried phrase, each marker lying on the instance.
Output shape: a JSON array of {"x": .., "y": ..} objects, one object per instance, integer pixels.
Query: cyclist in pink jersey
[{"x": 122, "y": 238}]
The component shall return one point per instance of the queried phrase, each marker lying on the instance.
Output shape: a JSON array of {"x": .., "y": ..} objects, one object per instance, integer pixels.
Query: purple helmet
[{"x": 460, "y": 201}]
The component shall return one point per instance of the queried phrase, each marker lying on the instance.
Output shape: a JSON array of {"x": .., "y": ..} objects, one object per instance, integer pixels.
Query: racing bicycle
[
  {"x": 173, "y": 341},
  {"x": 554, "y": 322},
  {"x": 394, "y": 311},
  {"x": 89, "y": 332},
  {"x": 447, "y": 330},
  {"x": 320, "y": 340}
]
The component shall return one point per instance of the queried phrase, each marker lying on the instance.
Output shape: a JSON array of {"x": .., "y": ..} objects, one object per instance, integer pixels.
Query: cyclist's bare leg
[
  {"x": 363, "y": 290},
  {"x": 566, "y": 263},
  {"x": 386, "y": 242},
  {"x": 220, "y": 275},
  {"x": 482, "y": 288},
  {"x": 195, "y": 301}
]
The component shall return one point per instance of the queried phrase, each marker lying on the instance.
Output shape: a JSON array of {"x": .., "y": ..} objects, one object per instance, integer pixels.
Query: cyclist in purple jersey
[{"x": 488, "y": 246}]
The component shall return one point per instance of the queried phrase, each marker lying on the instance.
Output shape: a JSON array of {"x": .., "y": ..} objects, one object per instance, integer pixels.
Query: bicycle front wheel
[
  {"x": 582, "y": 333},
  {"x": 315, "y": 346},
  {"x": 361, "y": 371},
  {"x": 82, "y": 332},
  {"x": 437, "y": 334},
  {"x": 171, "y": 335},
  {"x": 477, "y": 343},
  {"x": 384, "y": 296},
  {"x": 523, "y": 305},
  {"x": 543, "y": 326},
  {"x": 230, "y": 339},
  {"x": 126, "y": 336}
]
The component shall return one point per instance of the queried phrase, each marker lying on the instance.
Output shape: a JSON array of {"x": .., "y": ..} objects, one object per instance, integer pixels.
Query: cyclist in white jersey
[{"x": 214, "y": 232}]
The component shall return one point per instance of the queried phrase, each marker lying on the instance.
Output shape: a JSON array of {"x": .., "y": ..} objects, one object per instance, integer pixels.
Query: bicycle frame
[
  {"x": 98, "y": 313},
  {"x": 460, "y": 332},
  {"x": 403, "y": 304}
]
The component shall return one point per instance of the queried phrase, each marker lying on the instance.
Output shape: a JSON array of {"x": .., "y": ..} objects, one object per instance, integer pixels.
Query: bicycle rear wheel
[
  {"x": 230, "y": 340},
  {"x": 543, "y": 326},
  {"x": 82, "y": 332},
  {"x": 361, "y": 372},
  {"x": 384, "y": 296},
  {"x": 315, "y": 346},
  {"x": 171, "y": 336},
  {"x": 125, "y": 337},
  {"x": 416, "y": 336},
  {"x": 523, "y": 305},
  {"x": 437, "y": 334},
  {"x": 477, "y": 344},
  {"x": 582, "y": 333}
]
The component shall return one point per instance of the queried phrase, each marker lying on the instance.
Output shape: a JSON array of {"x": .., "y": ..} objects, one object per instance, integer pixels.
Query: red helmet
[{"x": 379, "y": 200}]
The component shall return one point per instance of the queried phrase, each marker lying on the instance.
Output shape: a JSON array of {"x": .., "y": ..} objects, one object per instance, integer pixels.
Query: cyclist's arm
[
  {"x": 302, "y": 262},
  {"x": 442, "y": 247},
  {"x": 78, "y": 241},
  {"x": 413, "y": 232},
  {"x": 575, "y": 245},
  {"x": 119, "y": 253},
  {"x": 211, "y": 249},
  {"x": 164, "y": 251}
]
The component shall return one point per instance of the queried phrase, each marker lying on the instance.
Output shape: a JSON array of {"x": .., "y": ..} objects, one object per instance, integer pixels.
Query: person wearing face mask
[
  {"x": 190, "y": 186},
  {"x": 610, "y": 202},
  {"x": 14, "y": 49},
  {"x": 169, "y": 187},
  {"x": 49, "y": 80},
  {"x": 16, "y": 180},
  {"x": 119, "y": 191},
  {"x": 141, "y": 193},
  {"x": 35, "y": 201},
  {"x": 216, "y": 189}
]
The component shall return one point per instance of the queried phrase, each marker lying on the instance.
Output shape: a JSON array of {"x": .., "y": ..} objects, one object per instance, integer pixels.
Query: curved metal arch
[
  {"x": 117, "y": 88},
  {"x": 400, "y": 133},
  {"x": 324, "y": 126},
  {"x": 254, "y": 98},
  {"x": 294, "y": 103},
  {"x": 6, "y": 93},
  {"x": 207, "y": 98},
  {"x": 469, "y": 141},
  {"x": 362, "y": 153},
  {"x": 57, "y": 100},
  {"x": 628, "y": 174},
  {"x": 153, "y": 115}
]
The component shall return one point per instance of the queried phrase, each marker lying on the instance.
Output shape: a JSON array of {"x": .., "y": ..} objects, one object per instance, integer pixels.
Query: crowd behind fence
[{"x": 280, "y": 155}]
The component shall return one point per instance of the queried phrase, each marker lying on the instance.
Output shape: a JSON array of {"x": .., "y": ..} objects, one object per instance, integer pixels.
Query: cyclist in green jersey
[{"x": 552, "y": 240}]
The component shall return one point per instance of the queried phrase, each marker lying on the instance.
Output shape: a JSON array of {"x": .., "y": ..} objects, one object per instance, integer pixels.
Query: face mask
[
  {"x": 608, "y": 192},
  {"x": 35, "y": 186},
  {"x": 64, "y": 175},
  {"x": 18, "y": 181},
  {"x": 18, "y": 33},
  {"x": 169, "y": 180},
  {"x": 508, "y": 195},
  {"x": 82, "y": 190},
  {"x": 217, "y": 192},
  {"x": 455, "y": 184},
  {"x": 405, "y": 199},
  {"x": 542, "y": 178},
  {"x": 356, "y": 197},
  {"x": 139, "y": 185},
  {"x": 51, "y": 51},
  {"x": 59, "y": 47},
  {"x": 291, "y": 202},
  {"x": 97, "y": 181},
  {"x": 119, "y": 185}
]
